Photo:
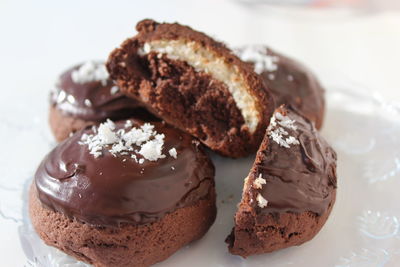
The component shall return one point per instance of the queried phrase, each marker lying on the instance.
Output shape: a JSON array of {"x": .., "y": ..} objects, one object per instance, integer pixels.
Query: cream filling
[{"x": 202, "y": 59}]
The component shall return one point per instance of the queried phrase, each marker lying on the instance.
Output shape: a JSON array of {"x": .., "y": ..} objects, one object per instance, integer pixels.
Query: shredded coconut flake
[
  {"x": 259, "y": 55},
  {"x": 152, "y": 149},
  {"x": 88, "y": 103},
  {"x": 71, "y": 99},
  {"x": 259, "y": 181},
  {"x": 128, "y": 124},
  {"x": 172, "y": 152},
  {"x": 277, "y": 130},
  {"x": 61, "y": 96},
  {"x": 114, "y": 90},
  {"x": 262, "y": 202},
  {"x": 90, "y": 72},
  {"x": 290, "y": 78},
  {"x": 143, "y": 141}
]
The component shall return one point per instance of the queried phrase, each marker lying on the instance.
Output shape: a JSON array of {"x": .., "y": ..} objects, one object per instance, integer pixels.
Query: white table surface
[{"x": 39, "y": 39}]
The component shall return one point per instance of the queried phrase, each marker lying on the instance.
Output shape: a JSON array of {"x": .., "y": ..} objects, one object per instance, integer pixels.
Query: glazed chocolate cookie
[
  {"x": 196, "y": 84},
  {"x": 289, "y": 81},
  {"x": 290, "y": 191},
  {"x": 124, "y": 194},
  {"x": 84, "y": 95}
]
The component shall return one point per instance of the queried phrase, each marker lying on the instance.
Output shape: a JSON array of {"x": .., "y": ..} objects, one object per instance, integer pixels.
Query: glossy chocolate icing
[
  {"x": 298, "y": 179},
  {"x": 102, "y": 103},
  {"x": 110, "y": 190},
  {"x": 291, "y": 83}
]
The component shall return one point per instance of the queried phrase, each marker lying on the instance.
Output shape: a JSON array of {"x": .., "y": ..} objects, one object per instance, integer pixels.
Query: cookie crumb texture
[
  {"x": 195, "y": 84},
  {"x": 125, "y": 246}
]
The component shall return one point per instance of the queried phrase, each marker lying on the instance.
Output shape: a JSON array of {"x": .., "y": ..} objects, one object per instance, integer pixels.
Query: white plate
[{"x": 363, "y": 229}]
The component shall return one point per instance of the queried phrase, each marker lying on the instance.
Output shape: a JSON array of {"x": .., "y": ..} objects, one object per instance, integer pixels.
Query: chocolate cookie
[
  {"x": 196, "y": 84},
  {"x": 289, "y": 81},
  {"x": 84, "y": 95},
  {"x": 124, "y": 194},
  {"x": 290, "y": 190}
]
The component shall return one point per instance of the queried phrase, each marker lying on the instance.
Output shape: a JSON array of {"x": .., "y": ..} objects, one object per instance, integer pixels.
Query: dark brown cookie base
[
  {"x": 277, "y": 231},
  {"x": 198, "y": 104},
  {"x": 63, "y": 125},
  {"x": 127, "y": 245}
]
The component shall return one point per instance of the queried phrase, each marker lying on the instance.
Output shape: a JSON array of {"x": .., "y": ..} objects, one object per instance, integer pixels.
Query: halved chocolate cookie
[
  {"x": 195, "y": 84},
  {"x": 289, "y": 81},
  {"x": 290, "y": 190},
  {"x": 84, "y": 95},
  {"x": 124, "y": 194}
]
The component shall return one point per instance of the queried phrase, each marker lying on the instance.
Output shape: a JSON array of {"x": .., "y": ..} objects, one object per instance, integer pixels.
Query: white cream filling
[{"x": 207, "y": 61}]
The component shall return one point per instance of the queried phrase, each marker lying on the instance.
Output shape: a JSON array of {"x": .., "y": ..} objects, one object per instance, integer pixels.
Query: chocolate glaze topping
[
  {"x": 91, "y": 100},
  {"x": 295, "y": 85},
  {"x": 299, "y": 178},
  {"x": 110, "y": 190}
]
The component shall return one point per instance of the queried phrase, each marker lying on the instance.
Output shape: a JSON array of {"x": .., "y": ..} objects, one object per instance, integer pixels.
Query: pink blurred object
[{"x": 364, "y": 5}]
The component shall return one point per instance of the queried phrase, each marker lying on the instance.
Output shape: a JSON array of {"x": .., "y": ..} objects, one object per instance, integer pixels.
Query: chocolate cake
[
  {"x": 289, "y": 81},
  {"x": 290, "y": 190},
  {"x": 124, "y": 194},
  {"x": 84, "y": 95},
  {"x": 196, "y": 84}
]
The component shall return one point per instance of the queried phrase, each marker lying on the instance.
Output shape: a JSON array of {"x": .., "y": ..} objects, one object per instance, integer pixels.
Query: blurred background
[
  {"x": 349, "y": 40},
  {"x": 359, "y": 39}
]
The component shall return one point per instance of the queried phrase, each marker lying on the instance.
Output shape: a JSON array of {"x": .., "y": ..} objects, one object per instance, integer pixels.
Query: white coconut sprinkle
[
  {"x": 277, "y": 130},
  {"x": 152, "y": 149},
  {"x": 271, "y": 76},
  {"x": 258, "y": 54},
  {"x": 88, "y": 103},
  {"x": 90, "y": 72},
  {"x": 114, "y": 90},
  {"x": 143, "y": 142},
  {"x": 290, "y": 78},
  {"x": 128, "y": 124},
  {"x": 172, "y": 152},
  {"x": 259, "y": 181},
  {"x": 61, "y": 96},
  {"x": 262, "y": 202},
  {"x": 71, "y": 99}
]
